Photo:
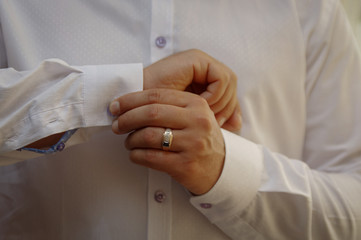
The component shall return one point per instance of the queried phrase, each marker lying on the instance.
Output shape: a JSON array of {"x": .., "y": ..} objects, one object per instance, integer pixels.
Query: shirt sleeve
[
  {"x": 56, "y": 97},
  {"x": 266, "y": 195}
]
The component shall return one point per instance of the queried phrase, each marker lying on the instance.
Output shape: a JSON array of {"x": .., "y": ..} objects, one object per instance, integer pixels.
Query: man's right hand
[{"x": 197, "y": 72}]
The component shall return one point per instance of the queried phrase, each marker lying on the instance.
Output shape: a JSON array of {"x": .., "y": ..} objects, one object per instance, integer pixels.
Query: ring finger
[{"x": 152, "y": 137}]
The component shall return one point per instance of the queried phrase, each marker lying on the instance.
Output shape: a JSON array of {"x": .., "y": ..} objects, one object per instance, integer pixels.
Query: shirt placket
[
  {"x": 159, "y": 184},
  {"x": 161, "y": 37}
]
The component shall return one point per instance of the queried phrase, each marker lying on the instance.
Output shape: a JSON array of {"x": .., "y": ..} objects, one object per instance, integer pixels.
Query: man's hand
[
  {"x": 197, "y": 72},
  {"x": 195, "y": 159}
]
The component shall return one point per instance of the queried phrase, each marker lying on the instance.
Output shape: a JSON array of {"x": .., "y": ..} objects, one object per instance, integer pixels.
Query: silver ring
[{"x": 167, "y": 139}]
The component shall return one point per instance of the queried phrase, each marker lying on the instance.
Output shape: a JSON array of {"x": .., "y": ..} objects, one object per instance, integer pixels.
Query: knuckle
[
  {"x": 153, "y": 112},
  {"x": 200, "y": 144},
  {"x": 201, "y": 102},
  {"x": 196, "y": 55},
  {"x": 202, "y": 114},
  {"x": 204, "y": 121},
  {"x": 149, "y": 136},
  {"x": 154, "y": 96}
]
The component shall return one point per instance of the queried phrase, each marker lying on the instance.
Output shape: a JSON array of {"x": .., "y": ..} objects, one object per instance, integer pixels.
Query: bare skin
[
  {"x": 194, "y": 71},
  {"x": 197, "y": 72},
  {"x": 196, "y": 158}
]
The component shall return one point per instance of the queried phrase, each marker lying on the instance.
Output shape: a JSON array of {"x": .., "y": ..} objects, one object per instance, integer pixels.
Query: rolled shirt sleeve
[{"x": 56, "y": 97}]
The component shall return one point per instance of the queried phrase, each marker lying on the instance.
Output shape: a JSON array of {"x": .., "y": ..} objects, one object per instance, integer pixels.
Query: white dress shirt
[
  {"x": 353, "y": 9},
  {"x": 293, "y": 172}
]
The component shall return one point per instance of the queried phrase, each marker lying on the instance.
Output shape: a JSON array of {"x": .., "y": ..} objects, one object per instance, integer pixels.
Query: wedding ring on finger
[{"x": 167, "y": 139}]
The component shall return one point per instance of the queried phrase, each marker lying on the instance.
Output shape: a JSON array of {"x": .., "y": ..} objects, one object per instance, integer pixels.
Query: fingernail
[
  {"x": 221, "y": 121},
  {"x": 114, "y": 108},
  {"x": 115, "y": 126}
]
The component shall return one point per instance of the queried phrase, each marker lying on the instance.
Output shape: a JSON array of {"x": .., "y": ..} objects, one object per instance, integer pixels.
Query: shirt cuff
[
  {"x": 238, "y": 183},
  {"x": 103, "y": 84}
]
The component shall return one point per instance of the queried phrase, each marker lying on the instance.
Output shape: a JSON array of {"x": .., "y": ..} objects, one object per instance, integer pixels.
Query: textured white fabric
[{"x": 292, "y": 173}]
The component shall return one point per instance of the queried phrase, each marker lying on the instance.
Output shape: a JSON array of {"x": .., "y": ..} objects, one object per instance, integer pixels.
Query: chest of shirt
[
  {"x": 260, "y": 41},
  {"x": 244, "y": 35}
]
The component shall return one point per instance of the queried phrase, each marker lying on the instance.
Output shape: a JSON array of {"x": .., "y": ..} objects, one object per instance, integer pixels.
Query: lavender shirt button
[
  {"x": 160, "y": 42},
  {"x": 159, "y": 196},
  {"x": 206, "y": 205}
]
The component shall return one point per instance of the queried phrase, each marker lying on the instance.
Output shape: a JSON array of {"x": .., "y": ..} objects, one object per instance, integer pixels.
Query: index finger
[{"x": 150, "y": 96}]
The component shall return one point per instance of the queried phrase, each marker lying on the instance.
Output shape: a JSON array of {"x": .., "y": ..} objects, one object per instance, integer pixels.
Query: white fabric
[
  {"x": 64, "y": 98},
  {"x": 292, "y": 173},
  {"x": 353, "y": 9}
]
